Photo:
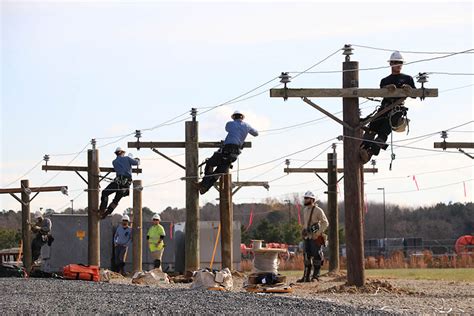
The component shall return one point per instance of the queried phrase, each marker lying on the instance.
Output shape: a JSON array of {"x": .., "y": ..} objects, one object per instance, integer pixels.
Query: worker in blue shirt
[
  {"x": 122, "y": 239},
  {"x": 221, "y": 160},
  {"x": 121, "y": 184}
]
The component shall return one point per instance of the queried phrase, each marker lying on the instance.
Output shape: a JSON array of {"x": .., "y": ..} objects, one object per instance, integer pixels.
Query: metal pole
[
  {"x": 352, "y": 180},
  {"x": 333, "y": 212},
  {"x": 25, "y": 227},
  {"x": 192, "y": 260},
  {"x": 384, "y": 217},
  {"x": 93, "y": 232},
  {"x": 226, "y": 214},
  {"x": 72, "y": 207},
  {"x": 137, "y": 229}
]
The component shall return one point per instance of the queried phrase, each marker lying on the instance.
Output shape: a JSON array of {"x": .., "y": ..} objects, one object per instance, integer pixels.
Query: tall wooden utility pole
[
  {"x": 191, "y": 146},
  {"x": 25, "y": 201},
  {"x": 137, "y": 228},
  {"x": 227, "y": 214},
  {"x": 353, "y": 191},
  {"x": 93, "y": 179},
  {"x": 333, "y": 211}
]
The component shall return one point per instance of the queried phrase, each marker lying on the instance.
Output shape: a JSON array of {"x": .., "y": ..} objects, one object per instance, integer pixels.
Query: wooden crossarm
[{"x": 351, "y": 93}]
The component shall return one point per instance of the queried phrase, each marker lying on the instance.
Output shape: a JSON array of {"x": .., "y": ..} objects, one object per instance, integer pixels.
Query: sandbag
[
  {"x": 205, "y": 279},
  {"x": 81, "y": 272}
]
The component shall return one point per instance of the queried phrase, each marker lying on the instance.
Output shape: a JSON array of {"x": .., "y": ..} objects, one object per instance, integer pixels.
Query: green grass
[{"x": 462, "y": 274}]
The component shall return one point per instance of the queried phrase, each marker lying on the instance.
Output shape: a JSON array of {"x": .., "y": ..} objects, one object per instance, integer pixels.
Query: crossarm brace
[
  {"x": 168, "y": 158},
  {"x": 321, "y": 178},
  {"x": 81, "y": 176},
  {"x": 320, "y": 109},
  {"x": 16, "y": 198}
]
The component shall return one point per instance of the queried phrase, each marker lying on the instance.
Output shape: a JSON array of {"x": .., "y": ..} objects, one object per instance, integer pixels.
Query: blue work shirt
[
  {"x": 123, "y": 236},
  {"x": 237, "y": 132},
  {"x": 123, "y": 165}
]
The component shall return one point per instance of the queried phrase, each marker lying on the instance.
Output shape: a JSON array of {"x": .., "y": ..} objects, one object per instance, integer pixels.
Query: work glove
[
  {"x": 391, "y": 87},
  {"x": 407, "y": 88}
]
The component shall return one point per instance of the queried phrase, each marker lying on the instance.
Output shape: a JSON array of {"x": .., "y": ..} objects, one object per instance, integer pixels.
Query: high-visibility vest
[{"x": 154, "y": 234}]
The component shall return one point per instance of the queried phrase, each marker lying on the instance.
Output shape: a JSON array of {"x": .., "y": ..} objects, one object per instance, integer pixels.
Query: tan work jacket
[{"x": 318, "y": 217}]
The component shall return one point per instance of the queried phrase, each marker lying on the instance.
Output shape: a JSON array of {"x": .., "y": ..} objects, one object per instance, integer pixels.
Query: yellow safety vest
[{"x": 154, "y": 234}]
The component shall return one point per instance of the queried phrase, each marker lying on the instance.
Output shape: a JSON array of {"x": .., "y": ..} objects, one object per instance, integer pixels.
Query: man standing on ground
[
  {"x": 121, "y": 184},
  {"x": 156, "y": 236},
  {"x": 313, "y": 238},
  {"x": 122, "y": 239},
  {"x": 222, "y": 159}
]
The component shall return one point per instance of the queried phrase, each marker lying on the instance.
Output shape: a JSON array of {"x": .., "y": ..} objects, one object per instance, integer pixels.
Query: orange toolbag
[{"x": 81, "y": 272}]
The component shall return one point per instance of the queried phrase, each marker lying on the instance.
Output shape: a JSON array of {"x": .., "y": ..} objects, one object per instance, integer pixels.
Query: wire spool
[{"x": 265, "y": 262}]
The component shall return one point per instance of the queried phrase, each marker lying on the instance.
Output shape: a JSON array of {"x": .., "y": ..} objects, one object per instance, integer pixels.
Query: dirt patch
[{"x": 371, "y": 287}]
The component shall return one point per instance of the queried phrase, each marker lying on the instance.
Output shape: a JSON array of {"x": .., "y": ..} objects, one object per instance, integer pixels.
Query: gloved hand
[
  {"x": 407, "y": 88},
  {"x": 391, "y": 87}
]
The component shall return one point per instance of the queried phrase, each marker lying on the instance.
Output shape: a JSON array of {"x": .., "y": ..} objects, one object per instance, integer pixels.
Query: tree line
[{"x": 276, "y": 221}]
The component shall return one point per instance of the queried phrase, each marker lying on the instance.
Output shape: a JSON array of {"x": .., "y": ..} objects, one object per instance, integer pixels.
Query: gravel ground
[{"x": 50, "y": 296}]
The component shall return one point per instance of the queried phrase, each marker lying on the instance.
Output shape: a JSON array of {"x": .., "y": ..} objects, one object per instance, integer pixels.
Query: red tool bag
[{"x": 81, "y": 272}]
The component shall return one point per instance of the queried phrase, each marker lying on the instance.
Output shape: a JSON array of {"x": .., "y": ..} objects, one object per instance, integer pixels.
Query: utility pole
[
  {"x": 352, "y": 134},
  {"x": 25, "y": 201},
  {"x": 137, "y": 229},
  {"x": 93, "y": 180},
  {"x": 227, "y": 214},
  {"x": 72, "y": 206},
  {"x": 333, "y": 210},
  {"x": 191, "y": 146}
]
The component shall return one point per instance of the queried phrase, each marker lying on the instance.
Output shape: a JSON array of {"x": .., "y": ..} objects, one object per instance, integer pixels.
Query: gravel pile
[{"x": 51, "y": 296}]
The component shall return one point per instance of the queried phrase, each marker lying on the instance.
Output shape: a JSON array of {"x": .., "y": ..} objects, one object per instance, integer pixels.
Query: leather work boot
[
  {"x": 365, "y": 155},
  {"x": 316, "y": 273},
  {"x": 306, "y": 276}
]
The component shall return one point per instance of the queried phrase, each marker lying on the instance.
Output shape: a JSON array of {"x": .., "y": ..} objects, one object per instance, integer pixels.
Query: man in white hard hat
[
  {"x": 221, "y": 160},
  {"x": 379, "y": 129},
  {"x": 42, "y": 229},
  {"x": 156, "y": 236},
  {"x": 122, "y": 239},
  {"x": 314, "y": 223},
  {"x": 121, "y": 184}
]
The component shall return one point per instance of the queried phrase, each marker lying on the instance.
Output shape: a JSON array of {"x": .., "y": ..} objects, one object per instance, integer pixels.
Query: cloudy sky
[{"x": 72, "y": 71}]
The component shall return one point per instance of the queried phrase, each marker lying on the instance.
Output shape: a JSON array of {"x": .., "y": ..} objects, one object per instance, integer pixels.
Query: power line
[
  {"x": 25, "y": 174},
  {"x": 384, "y": 67},
  {"x": 428, "y": 188},
  {"x": 419, "y": 174},
  {"x": 457, "y": 88},
  {"x": 404, "y": 51}
]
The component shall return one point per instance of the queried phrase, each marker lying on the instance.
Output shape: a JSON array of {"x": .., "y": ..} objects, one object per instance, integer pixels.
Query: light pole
[
  {"x": 289, "y": 211},
  {"x": 384, "y": 222},
  {"x": 72, "y": 207}
]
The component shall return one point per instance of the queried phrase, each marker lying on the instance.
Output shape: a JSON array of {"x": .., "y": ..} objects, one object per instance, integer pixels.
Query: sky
[{"x": 72, "y": 71}]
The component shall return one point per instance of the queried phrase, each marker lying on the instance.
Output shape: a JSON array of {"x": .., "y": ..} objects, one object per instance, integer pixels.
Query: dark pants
[
  {"x": 380, "y": 129},
  {"x": 218, "y": 164},
  {"x": 119, "y": 191},
  {"x": 36, "y": 244},
  {"x": 313, "y": 257},
  {"x": 119, "y": 258}
]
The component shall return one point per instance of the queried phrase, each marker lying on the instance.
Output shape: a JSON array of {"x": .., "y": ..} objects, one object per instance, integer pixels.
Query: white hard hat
[
  {"x": 237, "y": 112},
  {"x": 118, "y": 149},
  {"x": 309, "y": 194},
  {"x": 126, "y": 218},
  {"x": 396, "y": 56},
  {"x": 38, "y": 214},
  {"x": 157, "y": 216}
]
